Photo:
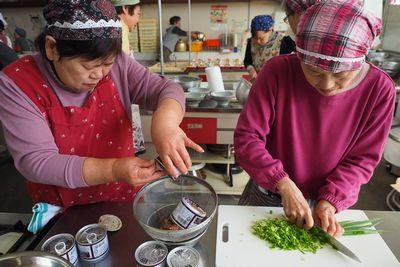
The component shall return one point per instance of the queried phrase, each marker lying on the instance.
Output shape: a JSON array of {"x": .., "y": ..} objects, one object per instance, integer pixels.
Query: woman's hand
[
  {"x": 169, "y": 139},
  {"x": 171, "y": 142},
  {"x": 324, "y": 214},
  {"x": 294, "y": 204},
  {"x": 135, "y": 171},
  {"x": 253, "y": 73}
]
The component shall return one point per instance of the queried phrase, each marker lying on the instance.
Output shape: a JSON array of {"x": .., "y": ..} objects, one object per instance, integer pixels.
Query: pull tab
[
  {"x": 60, "y": 248},
  {"x": 91, "y": 238},
  {"x": 225, "y": 233}
]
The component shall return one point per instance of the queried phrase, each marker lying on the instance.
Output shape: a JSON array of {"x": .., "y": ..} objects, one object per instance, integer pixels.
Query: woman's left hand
[
  {"x": 171, "y": 142},
  {"x": 324, "y": 216}
]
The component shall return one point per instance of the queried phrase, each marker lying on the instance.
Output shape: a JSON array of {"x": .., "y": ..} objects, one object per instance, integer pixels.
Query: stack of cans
[{"x": 91, "y": 242}]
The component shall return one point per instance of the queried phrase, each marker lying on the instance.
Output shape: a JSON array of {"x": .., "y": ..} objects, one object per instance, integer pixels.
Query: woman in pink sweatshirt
[{"x": 315, "y": 123}]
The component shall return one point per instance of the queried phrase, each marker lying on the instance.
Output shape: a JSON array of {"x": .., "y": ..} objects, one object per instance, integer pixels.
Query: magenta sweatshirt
[
  {"x": 328, "y": 145},
  {"x": 28, "y": 135}
]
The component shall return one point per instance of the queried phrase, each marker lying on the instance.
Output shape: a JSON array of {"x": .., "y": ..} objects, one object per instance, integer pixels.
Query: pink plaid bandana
[
  {"x": 335, "y": 35},
  {"x": 299, "y": 6}
]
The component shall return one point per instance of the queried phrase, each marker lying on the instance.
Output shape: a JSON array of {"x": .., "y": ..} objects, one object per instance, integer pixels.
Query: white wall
[
  {"x": 200, "y": 15},
  {"x": 21, "y": 17}
]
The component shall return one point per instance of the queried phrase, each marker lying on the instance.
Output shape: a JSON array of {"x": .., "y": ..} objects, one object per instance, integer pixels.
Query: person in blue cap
[
  {"x": 21, "y": 44},
  {"x": 263, "y": 44}
]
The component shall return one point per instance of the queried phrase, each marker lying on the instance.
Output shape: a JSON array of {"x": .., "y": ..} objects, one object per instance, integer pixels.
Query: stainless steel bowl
[
  {"x": 156, "y": 200},
  {"x": 33, "y": 259},
  {"x": 186, "y": 81},
  {"x": 243, "y": 90}
]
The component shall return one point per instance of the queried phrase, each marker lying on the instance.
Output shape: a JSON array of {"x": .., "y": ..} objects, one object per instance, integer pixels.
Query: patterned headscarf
[
  {"x": 261, "y": 23},
  {"x": 81, "y": 20},
  {"x": 335, "y": 35},
  {"x": 299, "y": 6}
]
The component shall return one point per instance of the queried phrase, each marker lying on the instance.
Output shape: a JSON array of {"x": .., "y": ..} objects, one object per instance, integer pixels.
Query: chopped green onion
[{"x": 285, "y": 235}]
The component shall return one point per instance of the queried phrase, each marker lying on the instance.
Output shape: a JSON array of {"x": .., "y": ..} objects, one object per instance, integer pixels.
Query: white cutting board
[{"x": 243, "y": 249}]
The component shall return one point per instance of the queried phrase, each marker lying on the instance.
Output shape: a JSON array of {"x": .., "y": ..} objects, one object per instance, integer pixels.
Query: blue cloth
[
  {"x": 42, "y": 213},
  {"x": 262, "y": 23}
]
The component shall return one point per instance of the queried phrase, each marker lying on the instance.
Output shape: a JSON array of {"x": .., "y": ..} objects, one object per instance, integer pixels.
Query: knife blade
[{"x": 338, "y": 245}]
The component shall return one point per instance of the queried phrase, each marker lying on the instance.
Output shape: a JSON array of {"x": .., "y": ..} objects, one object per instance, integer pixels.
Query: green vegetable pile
[{"x": 285, "y": 235}]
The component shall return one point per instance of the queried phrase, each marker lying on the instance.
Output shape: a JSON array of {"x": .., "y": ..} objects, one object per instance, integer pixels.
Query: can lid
[
  {"x": 58, "y": 244},
  {"x": 151, "y": 253},
  {"x": 91, "y": 234},
  {"x": 183, "y": 257},
  {"x": 111, "y": 222}
]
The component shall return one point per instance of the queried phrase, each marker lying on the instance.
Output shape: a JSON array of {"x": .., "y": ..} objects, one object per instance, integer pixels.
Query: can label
[
  {"x": 62, "y": 245},
  {"x": 188, "y": 214},
  {"x": 92, "y": 242},
  {"x": 93, "y": 251}
]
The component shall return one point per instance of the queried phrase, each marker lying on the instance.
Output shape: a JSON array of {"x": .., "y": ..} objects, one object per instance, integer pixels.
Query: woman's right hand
[
  {"x": 135, "y": 171},
  {"x": 294, "y": 204}
]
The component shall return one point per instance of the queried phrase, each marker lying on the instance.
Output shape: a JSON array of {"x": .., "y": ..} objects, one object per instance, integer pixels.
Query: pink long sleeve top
[
  {"x": 29, "y": 137},
  {"x": 328, "y": 145}
]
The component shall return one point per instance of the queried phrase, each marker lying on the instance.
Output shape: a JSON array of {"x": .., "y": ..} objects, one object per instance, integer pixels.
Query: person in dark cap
[
  {"x": 70, "y": 112},
  {"x": 263, "y": 44},
  {"x": 21, "y": 44}
]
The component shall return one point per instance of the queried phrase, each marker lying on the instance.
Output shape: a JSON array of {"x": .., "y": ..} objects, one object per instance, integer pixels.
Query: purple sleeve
[
  {"x": 252, "y": 131},
  {"x": 145, "y": 88},
  {"x": 31, "y": 142},
  {"x": 343, "y": 184}
]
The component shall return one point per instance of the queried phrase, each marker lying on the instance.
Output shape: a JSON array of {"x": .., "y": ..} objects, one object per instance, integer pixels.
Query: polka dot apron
[{"x": 101, "y": 129}]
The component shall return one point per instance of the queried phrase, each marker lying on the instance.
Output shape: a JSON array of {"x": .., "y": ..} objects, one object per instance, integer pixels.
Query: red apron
[{"x": 100, "y": 129}]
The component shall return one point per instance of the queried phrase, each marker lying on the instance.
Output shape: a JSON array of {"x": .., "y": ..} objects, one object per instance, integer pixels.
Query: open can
[
  {"x": 151, "y": 254},
  {"x": 183, "y": 257},
  {"x": 62, "y": 245},
  {"x": 92, "y": 242},
  {"x": 188, "y": 213}
]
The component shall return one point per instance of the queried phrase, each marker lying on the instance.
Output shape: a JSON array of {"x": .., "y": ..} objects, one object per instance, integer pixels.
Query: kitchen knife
[{"x": 339, "y": 246}]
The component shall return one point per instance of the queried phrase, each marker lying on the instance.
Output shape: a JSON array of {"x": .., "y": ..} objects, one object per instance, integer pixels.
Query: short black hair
[
  {"x": 131, "y": 9},
  {"x": 1, "y": 26},
  {"x": 88, "y": 49},
  {"x": 174, "y": 20}
]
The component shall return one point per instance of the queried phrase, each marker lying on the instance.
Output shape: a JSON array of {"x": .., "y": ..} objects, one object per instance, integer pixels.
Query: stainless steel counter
[{"x": 124, "y": 242}]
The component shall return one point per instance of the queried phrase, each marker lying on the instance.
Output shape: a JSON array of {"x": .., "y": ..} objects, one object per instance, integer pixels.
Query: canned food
[
  {"x": 183, "y": 257},
  {"x": 62, "y": 245},
  {"x": 151, "y": 253},
  {"x": 188, "y": 213},
  {"x": 92, "y": 242}
]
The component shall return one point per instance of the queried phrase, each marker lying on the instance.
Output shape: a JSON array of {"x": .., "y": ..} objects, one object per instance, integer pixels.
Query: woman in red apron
[{"x": 67, "y": 115}]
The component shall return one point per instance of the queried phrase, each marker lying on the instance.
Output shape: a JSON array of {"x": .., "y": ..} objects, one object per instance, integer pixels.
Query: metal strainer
[{"x": 156, "y": 200}]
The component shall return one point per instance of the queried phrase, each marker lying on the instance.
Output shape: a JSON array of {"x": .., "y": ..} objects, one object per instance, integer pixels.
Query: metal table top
[{"x": 124, "y": 242}]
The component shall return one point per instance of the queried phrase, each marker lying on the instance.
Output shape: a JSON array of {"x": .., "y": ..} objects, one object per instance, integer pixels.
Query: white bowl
[
  {"x": 202, "y": 90},
  {"x": 223, "y": 98},
  {"x": 193, "y": 99}
]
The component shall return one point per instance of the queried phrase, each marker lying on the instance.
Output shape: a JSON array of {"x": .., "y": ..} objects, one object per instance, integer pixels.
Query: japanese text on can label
[{"x": 93, "y": 251}]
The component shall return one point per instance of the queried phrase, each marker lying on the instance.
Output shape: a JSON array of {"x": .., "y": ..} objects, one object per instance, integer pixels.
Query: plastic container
[{"x": 196, "y": 46}]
